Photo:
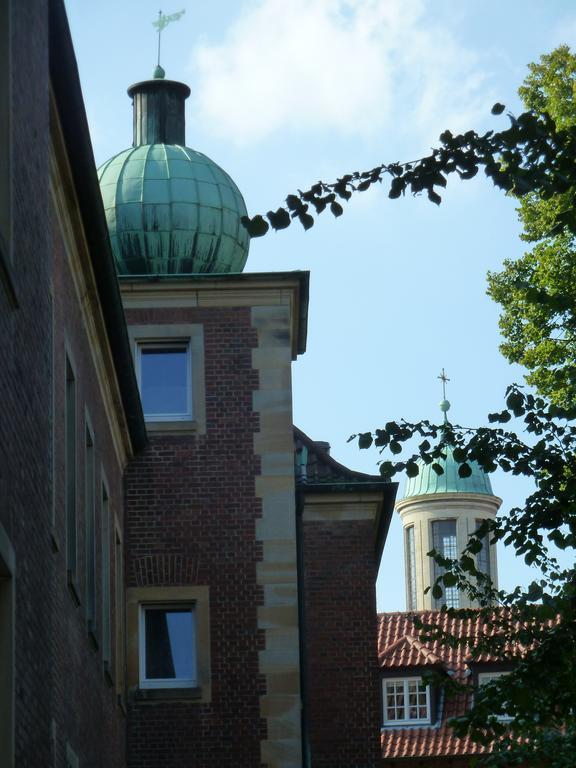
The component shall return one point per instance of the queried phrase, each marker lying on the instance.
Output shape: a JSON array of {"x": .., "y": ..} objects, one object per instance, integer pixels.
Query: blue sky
[{"x": 284, "y": 94}]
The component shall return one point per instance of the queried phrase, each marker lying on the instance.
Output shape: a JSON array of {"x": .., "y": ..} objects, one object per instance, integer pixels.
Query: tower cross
[
  {"x": 444, "y": 405},
  {"x": 443, "y": 378}
]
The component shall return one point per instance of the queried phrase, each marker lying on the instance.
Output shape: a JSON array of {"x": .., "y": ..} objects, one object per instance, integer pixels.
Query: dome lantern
[
  {"x": 158, "y": 111},
  {"x": 170, "y": 209}
]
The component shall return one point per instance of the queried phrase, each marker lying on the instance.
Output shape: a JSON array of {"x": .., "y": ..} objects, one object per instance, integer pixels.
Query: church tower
[{"x": 440, "y": 512}]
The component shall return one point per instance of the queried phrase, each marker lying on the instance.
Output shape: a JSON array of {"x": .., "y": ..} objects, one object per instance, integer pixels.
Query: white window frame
[
  {"x": 162, "y": 344},
  {"x": 405, "y": 682},
  {"x": 488, "y": 677},
  {"x": 166, "y": 682}
]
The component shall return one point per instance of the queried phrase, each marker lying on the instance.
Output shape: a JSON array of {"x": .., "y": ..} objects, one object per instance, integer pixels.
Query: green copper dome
[
  {"x": 170, "y": 210},
  {"x": 427, "y": 481}
]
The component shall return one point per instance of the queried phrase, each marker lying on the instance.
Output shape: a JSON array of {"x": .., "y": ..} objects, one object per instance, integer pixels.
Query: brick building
[{"x": 174, "y": 554}]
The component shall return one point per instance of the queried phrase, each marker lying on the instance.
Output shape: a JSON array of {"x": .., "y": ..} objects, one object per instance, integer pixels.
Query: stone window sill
[
  {"x": 167, "y": 694},
  {"x": 172, "y": 427}
]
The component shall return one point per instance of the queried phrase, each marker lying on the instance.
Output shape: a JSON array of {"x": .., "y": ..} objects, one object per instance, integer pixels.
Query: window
[
  {"x": 444, "y": 542},
  {"x": 169, "y": 364},
  {"x": 167, "y": 646},
  {"x": 168, "y": 643},
  {"x": 410, "y": 569},
  {"x": 105, "y": 522},
  {"x": 489, "y": 677},
  {"x": 70, "y": 472},
  {"x": 483, "y": 557},
  {"x": 90, "y": 527},
  {"x": 165, "y": 378},
  {"x": 406, "y": 701}
]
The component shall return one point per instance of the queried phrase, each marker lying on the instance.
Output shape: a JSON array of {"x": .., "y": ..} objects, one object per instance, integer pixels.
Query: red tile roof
[{"x": 399, "y": 648}]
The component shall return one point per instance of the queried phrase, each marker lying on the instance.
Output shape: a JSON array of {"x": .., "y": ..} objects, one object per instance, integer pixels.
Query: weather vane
[
  {"x": 161, "y": 23},
  {"x": 444, "y": 405}
]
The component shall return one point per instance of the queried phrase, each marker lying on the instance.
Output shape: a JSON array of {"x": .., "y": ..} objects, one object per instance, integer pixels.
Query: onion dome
[
  {"x": 170, "y": 209},
  {"x": 427, "y": 481}
]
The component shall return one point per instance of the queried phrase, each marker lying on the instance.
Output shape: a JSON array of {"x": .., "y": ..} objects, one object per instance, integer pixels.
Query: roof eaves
[{"x": 68, "y": 94}]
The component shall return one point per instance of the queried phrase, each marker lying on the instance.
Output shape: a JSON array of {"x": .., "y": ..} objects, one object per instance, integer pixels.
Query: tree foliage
[
  {"x": 533, "y": 159},
  {"x": 532, "y": 155},
  {"x": 534, "y": 627},
  {"x": 536, "y": 291}
]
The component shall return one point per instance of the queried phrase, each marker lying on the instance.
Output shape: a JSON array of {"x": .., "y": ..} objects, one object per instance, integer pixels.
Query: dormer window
[
  {"x": 484, "y": 678},
  {"x": 165, "y": 378},
  {"x": 406, "y": 701}
]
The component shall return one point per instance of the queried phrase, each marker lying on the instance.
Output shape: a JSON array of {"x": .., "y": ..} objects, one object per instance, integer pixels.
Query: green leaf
[
  {"x": 500, "y": 418},
  {"x": 475, "y": 546},
  {"x": 449, "y": 580},
  {"x": 412, "y": 469},
  {"x": 534, "y": 592},
  {"x": 437, "y": 591},
  {"x": 336, "y": 209},
  {"x": 515, "y": 402},
  {"x": 387, "y": 469},
  {"x": 438, "y": 468},
  {"x": 395, "y": 447},
  {"x": 294, "y": 203},
  {"x": 464, "y": 470},
  {"x": 498, "y": 108},
  {"x": 279, "y": 219},
  {"x": 306, "y": 220},
  {"x": 459, "y": 455},
  {"x": 256, "y": 227},
  {"x": 396, "y": 188},
  {"x": 365, "y": 440}
]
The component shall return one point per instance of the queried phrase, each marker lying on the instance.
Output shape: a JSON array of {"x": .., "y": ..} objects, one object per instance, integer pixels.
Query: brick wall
[
  {"x": 25, "y": 375},
  {"x": 58, "y": 673},
  {"x": 84, "y": 705},
  {"x": 343, "y": 694},
  {"x": 191, "y": 513}
]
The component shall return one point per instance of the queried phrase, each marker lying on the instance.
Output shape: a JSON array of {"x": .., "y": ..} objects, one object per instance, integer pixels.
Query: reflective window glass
[
  {"x": 165, "y": 385},
  {"x": 169, "y": 640}
]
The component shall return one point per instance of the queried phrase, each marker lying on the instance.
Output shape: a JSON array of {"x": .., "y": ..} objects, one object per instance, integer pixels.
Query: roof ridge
[
  {"x": 424, "y": 649},
  {"x": 417, "y": 645}
]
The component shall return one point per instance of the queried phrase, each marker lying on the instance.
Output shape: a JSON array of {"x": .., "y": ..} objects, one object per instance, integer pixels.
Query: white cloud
[{"x": 350, "y": 66}]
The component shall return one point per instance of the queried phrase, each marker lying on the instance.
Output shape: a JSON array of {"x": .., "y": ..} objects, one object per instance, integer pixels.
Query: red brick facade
[
  {"x": 63, "y": 702},
  {"x": 190, "y": 520},
  {"x": 25, "y": 376},
  {"x": 344, "y": 703}
]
